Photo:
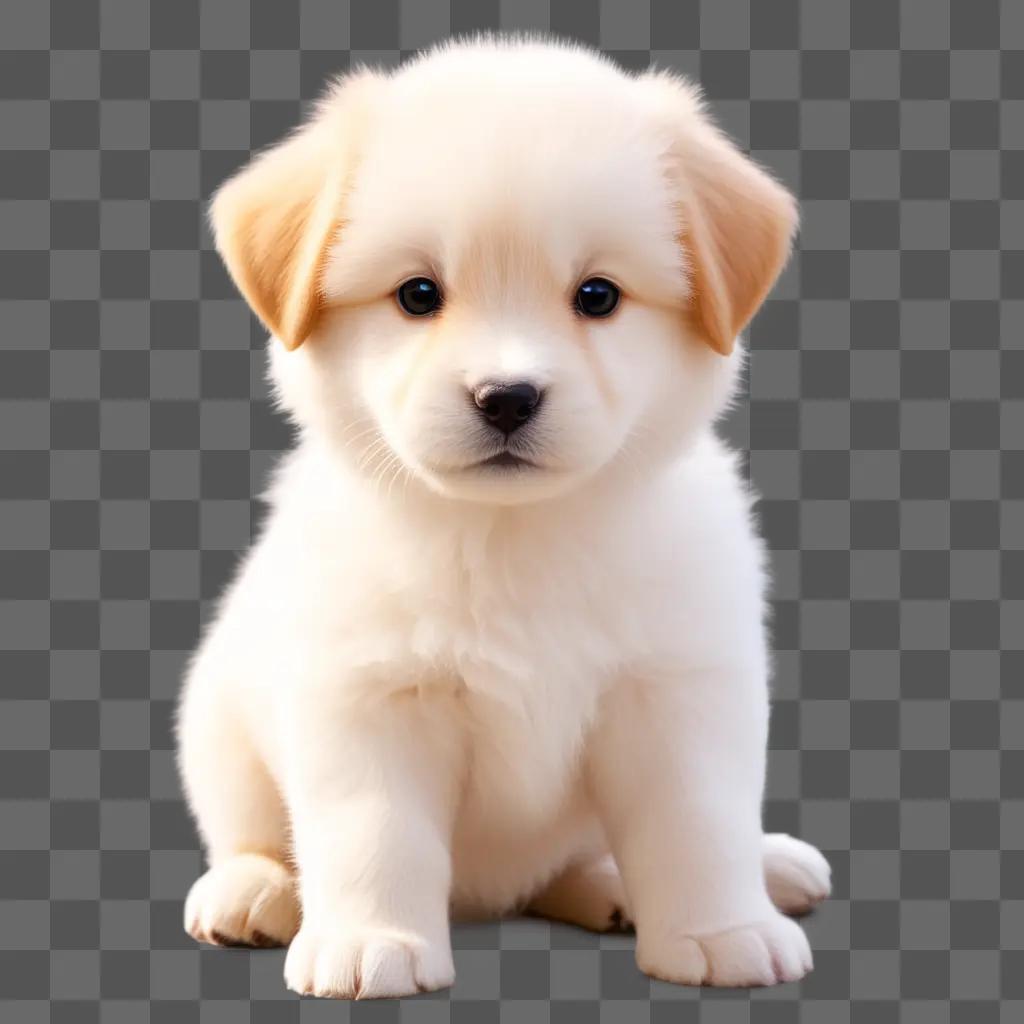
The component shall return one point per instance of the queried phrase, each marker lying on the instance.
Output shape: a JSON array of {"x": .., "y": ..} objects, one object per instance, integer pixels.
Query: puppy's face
[{"x": 505, "y": 268}]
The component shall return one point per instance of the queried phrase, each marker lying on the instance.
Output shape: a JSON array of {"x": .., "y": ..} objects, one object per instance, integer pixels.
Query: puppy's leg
[
  {"x": 592, "y": 896},
  {"x": 677, "y": 771},
  {"x": 248, "y": 895},
  {"x": 373, "y": 793}
]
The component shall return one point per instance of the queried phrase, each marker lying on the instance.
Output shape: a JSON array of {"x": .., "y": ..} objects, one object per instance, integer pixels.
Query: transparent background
[{"x": 885, "y": 424}]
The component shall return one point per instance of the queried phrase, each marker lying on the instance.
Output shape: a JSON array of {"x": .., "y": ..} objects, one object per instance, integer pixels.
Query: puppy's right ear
[{"x": 274, "y": 221}]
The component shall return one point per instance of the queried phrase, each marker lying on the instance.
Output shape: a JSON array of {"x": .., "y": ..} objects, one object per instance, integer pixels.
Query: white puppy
[{"x": 502, "y": 636}]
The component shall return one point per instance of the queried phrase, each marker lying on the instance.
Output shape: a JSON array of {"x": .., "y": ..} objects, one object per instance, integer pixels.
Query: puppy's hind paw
[
  {"x": 247, "y": 900},
  {"x": 797, "y": 876},
  {"x": 763, "y": 953},
  {"x": 372, "y": 963}
]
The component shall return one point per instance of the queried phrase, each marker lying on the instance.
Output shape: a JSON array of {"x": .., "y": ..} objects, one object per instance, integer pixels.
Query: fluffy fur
[{"x": 436, "y": 688}]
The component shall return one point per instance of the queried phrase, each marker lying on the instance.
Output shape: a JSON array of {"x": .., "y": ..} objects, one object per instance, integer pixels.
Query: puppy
[{"x": 500, "y": 645}]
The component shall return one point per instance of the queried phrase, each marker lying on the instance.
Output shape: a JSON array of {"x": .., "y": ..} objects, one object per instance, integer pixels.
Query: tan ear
[
  {"x": 274, "y": 221},
  {"x": 737, "y": 221}
]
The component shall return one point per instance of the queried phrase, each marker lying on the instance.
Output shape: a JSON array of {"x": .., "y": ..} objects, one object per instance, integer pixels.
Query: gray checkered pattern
[{"x": 885, "y": 425}]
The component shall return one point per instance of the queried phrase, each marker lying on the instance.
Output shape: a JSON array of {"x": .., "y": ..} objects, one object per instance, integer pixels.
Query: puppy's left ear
[
  {"x": 737, "y": 222},
  {"x": 274, "y": 221}
]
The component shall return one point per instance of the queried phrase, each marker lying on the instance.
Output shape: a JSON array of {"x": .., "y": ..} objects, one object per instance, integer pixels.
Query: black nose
[{"x": 507, "y": 406}]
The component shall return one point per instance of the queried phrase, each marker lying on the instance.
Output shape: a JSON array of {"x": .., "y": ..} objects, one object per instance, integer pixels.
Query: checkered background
[{"x": 886, "y": 428}]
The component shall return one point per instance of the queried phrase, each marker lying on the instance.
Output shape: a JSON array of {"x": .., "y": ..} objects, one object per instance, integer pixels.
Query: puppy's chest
[
  {"x": 532, "y": 652},
  {"x": 514, "y": 615}
]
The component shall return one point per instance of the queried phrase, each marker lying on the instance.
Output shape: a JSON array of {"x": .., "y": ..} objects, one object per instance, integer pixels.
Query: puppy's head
[{"x": 506, "y": 268}]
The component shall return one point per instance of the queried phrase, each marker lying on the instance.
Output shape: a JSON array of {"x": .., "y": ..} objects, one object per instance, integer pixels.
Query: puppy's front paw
[
  {"x": 763, "y": 953},
  {"x": 371, "y": 963}
]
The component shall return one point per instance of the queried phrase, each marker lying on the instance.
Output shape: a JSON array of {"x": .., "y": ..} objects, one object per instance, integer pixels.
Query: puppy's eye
[
  {"x": 597, "y": 297},
  {"x": 419, "y": 296}
]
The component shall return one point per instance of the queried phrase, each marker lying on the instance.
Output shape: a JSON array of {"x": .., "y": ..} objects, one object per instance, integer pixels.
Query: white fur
[{"x": 433, "y": 687}]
